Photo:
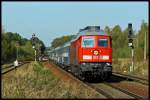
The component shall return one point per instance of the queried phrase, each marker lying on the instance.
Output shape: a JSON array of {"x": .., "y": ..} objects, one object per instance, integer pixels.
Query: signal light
[
  {"x": 130, "y": 32},
  {"x": 130, "y": 40}
]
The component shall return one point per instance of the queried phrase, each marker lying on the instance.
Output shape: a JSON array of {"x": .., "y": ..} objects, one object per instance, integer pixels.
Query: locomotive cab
[{"x": 96, "y": 55}]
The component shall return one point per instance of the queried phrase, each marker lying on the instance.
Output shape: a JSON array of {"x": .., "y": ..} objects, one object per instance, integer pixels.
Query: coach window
[
  {"x": 102, "y": 42},
  {"x": 88, "y": 42}
]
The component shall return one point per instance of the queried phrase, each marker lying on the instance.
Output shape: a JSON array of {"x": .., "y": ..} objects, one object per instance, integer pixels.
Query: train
[{"x": 87, "y": 55}]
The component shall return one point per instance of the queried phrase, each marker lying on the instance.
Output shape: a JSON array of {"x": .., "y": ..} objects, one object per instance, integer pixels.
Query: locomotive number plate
[{"x": 95, "y": 57}]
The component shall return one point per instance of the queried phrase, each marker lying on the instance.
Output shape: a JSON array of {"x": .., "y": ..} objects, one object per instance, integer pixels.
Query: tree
[
  {"x": 141, "y": 41},
  {"x": 116, "y": 40},
  {"x": 107, "y": 30},
  {"x": 61, "y": 40},
  {"x": 25, "y": 50}
]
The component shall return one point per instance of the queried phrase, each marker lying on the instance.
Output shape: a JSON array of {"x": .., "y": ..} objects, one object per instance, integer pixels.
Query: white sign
[
  {"x": 129, "y": 44},
  {"x": 87, "y": 57},
  {"x": 33, "y": 47},
  {"x": 16, "y": 63}
]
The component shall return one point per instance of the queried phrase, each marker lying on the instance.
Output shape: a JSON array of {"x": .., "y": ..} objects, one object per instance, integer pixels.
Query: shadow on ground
[{"x": 111, "y": 79}]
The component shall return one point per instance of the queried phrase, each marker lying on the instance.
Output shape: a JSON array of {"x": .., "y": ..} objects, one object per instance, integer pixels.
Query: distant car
[{"x": 45, "y": 58}]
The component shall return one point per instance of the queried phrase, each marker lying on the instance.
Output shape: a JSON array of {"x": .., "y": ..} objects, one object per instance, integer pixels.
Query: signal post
[
  {"x": 33, "y": 39},
  {"x": 130, "y": 44}
]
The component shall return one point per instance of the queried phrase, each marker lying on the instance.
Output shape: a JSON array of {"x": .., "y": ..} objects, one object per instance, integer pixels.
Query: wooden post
[
  {"x": 35, "y": 54},
  {"x": 145, "y": 49}
]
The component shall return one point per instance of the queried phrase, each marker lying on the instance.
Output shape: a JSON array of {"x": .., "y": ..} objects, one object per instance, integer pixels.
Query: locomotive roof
[
  {"x": 88, "y": 32},
  {"x": 84, "y": 32}
]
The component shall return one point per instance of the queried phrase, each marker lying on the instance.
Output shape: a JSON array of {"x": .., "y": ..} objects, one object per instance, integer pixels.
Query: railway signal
[
  {"x": 130, "y": 35},
  {"x": 17, "y": 45},
  {"x": 130, "y": 31},
  {"x": 37, "y": 46},
  {"x": 130, "y": 44},
  {"x": 33, "y": 39}
]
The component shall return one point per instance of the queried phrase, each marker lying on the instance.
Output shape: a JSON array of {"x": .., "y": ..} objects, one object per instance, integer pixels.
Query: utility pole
[
  {"x": 17, "y": 45},
  {"x": 17, "y": 53},
  {"x": 16, "y": 62},
  {"x": 145, "y": 49},
  {"x": 137, "y": 42},
  {"x": 132, "y": 58},
  {"x": 35, "y": 54}
]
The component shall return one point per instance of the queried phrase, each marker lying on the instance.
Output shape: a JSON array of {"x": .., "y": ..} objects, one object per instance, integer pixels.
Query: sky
[{"x": 49, "y": 20}]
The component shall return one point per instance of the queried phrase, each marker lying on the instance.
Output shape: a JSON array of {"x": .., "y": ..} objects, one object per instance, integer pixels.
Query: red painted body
[{"x": 78, "y": 51}]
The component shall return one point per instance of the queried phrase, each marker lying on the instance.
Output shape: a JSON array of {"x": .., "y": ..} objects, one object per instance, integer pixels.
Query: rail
[
  {"x": 12, "y": 67},
  {"x": 136, "y": 96},
  {"x": 131, "y": 77}
]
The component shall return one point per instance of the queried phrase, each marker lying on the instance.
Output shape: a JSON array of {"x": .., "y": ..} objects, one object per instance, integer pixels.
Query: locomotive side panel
[
  {"x": 72, "y": 53},
  {"x": 78, "y": 46}
]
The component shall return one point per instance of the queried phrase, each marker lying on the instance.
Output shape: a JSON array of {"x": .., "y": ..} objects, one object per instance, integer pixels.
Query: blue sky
[{"x": 54, "y": 19}]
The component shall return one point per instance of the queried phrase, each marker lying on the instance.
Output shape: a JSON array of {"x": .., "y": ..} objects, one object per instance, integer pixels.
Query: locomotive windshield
[
  {"x": 102, "y": 42},
  {"x": 88, "y": 42}
]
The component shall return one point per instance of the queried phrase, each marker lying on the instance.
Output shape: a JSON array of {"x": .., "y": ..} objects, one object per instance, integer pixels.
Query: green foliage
[
  {"x": 39, "y": 70},
  {"x": 140, "y": 42},
  {"x": 26, "y": 52},
  {"x": 107, "y": 30},
  {"x": 9, "y": 49},
  {"x": 61, "y": 40}
]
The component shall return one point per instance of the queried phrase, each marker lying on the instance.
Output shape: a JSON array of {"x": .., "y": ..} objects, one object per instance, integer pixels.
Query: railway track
[
  {"x": 105, "y": 92},
  {"x": 74, "y": 77},
  {"x": 130, "y": 88},
  {"x": 135, "y": 95},
  {"x": 11, "y": 67},
  {"x": 133, "y": 78},
  {"x": 122, "y": 92},
  {"x": 99, "y": 90}
]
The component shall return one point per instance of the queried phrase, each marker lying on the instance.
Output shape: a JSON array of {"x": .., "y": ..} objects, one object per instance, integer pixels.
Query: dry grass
[
  {"x": 123, "y": 66},
  {"x": 35, "y": 81}
]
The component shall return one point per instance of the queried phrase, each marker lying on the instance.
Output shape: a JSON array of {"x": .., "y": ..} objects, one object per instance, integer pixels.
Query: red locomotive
[{"x": 88, "y": 55}]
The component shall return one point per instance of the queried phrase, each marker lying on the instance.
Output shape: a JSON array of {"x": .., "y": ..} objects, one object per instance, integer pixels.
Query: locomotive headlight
[
  {"x": 95, "y": 52},
  {"x": 87, "y": 57},
  {"x": 108, "y": 64},
  {"x": 104, "y": 57}
]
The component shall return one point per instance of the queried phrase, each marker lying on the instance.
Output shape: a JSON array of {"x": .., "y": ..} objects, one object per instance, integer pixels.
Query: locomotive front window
[
  {"x": 102, "y": 42},
  {"x": 88, "y": 42}
]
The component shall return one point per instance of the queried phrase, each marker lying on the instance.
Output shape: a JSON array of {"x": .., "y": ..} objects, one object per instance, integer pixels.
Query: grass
[
  {"x": 36, "y": 81},
  {"x": 123, "y": 66}
]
